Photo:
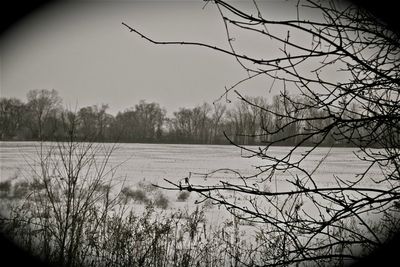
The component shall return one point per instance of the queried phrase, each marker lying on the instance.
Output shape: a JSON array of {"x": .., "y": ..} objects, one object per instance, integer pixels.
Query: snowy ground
[{"x": 152, "y": 163}]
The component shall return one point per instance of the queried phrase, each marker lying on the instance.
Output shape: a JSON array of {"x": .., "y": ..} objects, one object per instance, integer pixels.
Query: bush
[
  {"x": 37, "y": 185},
  {"x": 183, "y": 196},
  {"x": 21, "y": 189},
  {"x": 5, "y": 187},
  {"x": 137, "y": 195},
  {"x": 161, "y": 201}
]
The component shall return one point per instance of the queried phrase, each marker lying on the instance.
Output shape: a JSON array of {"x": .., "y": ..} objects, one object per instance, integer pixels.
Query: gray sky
[{"x": 80, "y": 49}]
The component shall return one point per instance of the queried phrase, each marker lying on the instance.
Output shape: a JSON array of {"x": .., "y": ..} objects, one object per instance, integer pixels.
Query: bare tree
[
  {"x": 94, "y": 122},
  {"x": 149, "y": 117},
  {"x": 341, "y": 67},
  {"x": 11, "y": 118},
  {"x": 219, "y": 111},
  {"x": 43, "y": 105}
]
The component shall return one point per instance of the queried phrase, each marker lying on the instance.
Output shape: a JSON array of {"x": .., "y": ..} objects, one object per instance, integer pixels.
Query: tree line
[{"x": 247, "y": 122}]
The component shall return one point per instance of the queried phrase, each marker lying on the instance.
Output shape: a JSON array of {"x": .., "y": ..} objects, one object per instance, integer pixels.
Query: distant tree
[
  {"x": 239, "y": 118},
  {"x": 341, "y": 67},
  {"x": 11, "y": 117},
  {"x": 201, "y": 123},
  {"x": 246, "y": 121},
  {"x": 124, "y": 126},
  {"x": 217, "y": 122},
  {"x": 143, "y": 123},
  {"x": 181, "y": 125},
  {"x": 191, "y": 125},
  {"x": 94, "y": 122},
  {"x": 88, "y": 122},
  {"x": 43, "y": 106},
  {"x": 150, "y": 118}
]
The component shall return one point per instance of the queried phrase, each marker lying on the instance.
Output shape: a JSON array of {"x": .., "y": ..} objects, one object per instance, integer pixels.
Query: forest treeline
[{"x": 43, "y": 117}]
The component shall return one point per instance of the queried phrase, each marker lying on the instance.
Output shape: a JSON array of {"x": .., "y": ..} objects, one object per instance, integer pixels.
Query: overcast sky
[{"x": 81, "y": 49}]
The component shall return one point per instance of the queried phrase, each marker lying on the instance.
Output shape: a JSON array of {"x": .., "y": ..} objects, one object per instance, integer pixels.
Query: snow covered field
[{"x": 152, "y": 163}]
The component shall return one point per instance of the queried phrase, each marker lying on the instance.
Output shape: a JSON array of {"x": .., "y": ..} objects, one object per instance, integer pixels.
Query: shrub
[
  {"x": 37, "y": 185},
  {"x": 183, "y": 196},
  {"x": 5, "y": 187},
  {"x": 21, "y": 189},
  {"x": 137, "y": 195},
  {"x": 161, "y": 201}
]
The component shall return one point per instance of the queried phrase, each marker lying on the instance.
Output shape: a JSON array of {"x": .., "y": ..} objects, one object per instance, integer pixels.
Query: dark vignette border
[{"x": 14, "y": 11}]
